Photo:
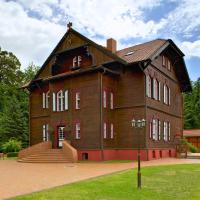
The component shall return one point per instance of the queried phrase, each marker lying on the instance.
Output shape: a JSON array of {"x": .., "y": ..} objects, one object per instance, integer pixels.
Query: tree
[
  {"x": 14, "y": 113},
  {"x": 192, "y": 107}
]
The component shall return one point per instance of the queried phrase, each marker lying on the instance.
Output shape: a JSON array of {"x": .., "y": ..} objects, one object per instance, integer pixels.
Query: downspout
[
  {"x": 142, "y": 69},
  {"x": 101, "y": 114}
]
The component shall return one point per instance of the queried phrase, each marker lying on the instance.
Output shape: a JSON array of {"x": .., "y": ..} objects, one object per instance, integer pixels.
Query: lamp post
[{"x": 139, "y": 124}]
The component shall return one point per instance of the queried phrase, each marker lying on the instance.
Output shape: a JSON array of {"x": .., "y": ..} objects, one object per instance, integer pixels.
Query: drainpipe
[
  {"x": 101, "y": 113},
  {"x": 145, "y": 129}
]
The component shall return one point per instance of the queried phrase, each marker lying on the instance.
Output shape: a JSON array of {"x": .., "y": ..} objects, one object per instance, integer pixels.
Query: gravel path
[{"x": 22, "y": 178}]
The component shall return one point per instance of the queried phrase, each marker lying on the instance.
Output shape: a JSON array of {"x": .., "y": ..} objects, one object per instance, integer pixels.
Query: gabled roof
[
  {"x": 101, "y": 48},
  {"x": 139, "y": 53}
]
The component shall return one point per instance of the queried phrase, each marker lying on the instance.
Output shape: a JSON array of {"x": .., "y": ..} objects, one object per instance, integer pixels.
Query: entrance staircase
[{"x": 43, "y": 153}]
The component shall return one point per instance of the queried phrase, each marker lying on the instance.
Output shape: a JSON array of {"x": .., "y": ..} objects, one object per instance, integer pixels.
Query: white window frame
[
  {"x": 66, "y": 98},
  {"x": 74, "y": 61},
  {"x": 150, "y": 129},
  {"x": 104, "y": 130},
  {"x": 159, "y": 129},
  {"x": 159, "y": 90},
  {"x": 155, "y": 129},
  {"x": 111, "y": 101},
  {"x": 79, "y": 60},
  {"x": 45, "y": 132},
  {"x": 47, "y": 99},
  {"x": 155, "y": 89},
  {"x": 165, "y": 131},
  {"x": 60, "y": 101},
  {"x": 163, "y": 61},
  {"x": 148, "y": 86},
  {"x": 104, "y": 99},
  {"x": 169, "y": 131},
  {"x": 169, "y": 65},
  {"x": 54, "y": 102},
  {"x": 78, "y": 99},
  {"x": 78, "y": 130},
  {"x": 43, "y": 100},
  {"x": 111, "y": 131}
]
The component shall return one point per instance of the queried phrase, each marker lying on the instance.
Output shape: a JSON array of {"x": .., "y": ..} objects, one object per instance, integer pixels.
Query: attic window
[{"x": 129, "y": 53}]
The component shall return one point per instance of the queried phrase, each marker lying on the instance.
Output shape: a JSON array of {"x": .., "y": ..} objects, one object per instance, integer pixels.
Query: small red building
[
  {"x": 88, "y": 94},
  {"x": 193, "y": 136}
]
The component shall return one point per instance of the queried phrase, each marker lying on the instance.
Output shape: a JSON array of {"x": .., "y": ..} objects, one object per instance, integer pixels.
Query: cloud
[
  {"x": 184, "y": 19},
  {"x": 191, "y": 49},
  {"x": 32, "y": 28},
  {"x": 29, "y": 38}
]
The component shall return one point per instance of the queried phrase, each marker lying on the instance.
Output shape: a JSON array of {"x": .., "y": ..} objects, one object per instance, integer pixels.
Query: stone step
[
  {"x": 48, "y": 156},
  {"x": 44, "y": 161}
]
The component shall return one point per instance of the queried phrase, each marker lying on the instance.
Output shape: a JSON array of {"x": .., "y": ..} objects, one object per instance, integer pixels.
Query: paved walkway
[{"x": 22, "y": 178}]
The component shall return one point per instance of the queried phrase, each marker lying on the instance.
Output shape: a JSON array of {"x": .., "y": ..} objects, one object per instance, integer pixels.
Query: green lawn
[{"x": 175, "y": 182}]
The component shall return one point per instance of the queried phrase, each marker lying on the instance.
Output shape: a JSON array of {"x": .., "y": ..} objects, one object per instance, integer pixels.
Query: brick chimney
[{"x": 112, "y": 45}]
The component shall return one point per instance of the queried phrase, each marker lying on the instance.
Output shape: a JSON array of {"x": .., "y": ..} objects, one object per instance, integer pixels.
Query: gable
[{"x": 73, "y": 39}]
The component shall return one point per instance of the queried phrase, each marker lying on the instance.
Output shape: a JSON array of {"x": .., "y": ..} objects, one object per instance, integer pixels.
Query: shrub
[
  {"x": 12, "y": 154},
  {"x": 192, "y": 148},
  {"x": 12, "y": 145}
]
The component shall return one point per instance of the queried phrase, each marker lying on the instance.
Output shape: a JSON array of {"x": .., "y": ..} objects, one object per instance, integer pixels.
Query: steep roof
[
  {"x": 191, "y": 133},
  {"x": 140, "y": 52}
]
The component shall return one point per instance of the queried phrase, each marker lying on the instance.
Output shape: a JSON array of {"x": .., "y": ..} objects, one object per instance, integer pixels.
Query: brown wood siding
[
  {"x": 88, "y": 115},
  {"x": 157, "y": 109},
  {"x": 98, "y": 56}
]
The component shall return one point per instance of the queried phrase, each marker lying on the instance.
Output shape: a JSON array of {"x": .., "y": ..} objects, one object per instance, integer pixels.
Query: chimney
[{"x": 112, "y": 45}]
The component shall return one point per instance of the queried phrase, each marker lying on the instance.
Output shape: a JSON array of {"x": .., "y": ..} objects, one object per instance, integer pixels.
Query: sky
[{"x": 31, "y": 28}]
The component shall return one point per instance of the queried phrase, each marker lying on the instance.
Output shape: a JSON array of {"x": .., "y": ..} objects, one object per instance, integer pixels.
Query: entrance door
[{"x": 61, "y": 136}]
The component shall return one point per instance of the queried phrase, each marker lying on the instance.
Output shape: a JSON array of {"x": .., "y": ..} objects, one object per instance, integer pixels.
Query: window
[
  {"x": 45, "y": 100},
  {"x": 104, "y": 130},
  {"x": 169, "y": 131},
  {"x": 155, "y": 89},
  {"x": 45, "y": 132},
  {"x": 104, "y": 99},
  {"x": 60, "y": 101},
  {"x": 111, "y": 100},
  {"x": 78, "y": 131},
  {"x": 111, "y": 131},
  {"x": 155, "y": 129},
  {"x": 165, "y": 131},
  {"x": 159, "y": 90},
  {"x": 168, "y": 64},
  {"x": 159, "y": 129},
  {"x": 150, "y": 130},
  {"x": 148, "y": 86},
  {"x": 78, "y": 100},
  {"x": 166, "y": 95},
  {"x": 77, "y": 61},
  {"x": 163, "y": 61}
]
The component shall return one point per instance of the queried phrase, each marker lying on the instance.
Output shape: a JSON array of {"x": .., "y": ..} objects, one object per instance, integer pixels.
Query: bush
[
  {"x": 192, "y": 148},
  {"x": 12, "y": 145},
  {"x": 12, "y": 154}
]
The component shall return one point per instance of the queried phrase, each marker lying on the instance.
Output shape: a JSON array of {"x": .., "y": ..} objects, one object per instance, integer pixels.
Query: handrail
[{"x": 70, "y": 151}]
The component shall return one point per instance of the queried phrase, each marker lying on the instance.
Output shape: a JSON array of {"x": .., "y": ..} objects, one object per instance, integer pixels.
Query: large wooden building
[{"x": 88, "y": 94}]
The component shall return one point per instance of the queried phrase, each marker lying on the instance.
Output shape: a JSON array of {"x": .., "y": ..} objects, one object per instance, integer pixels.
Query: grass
[
  {"x": 9, "y": 158},
  {"x": 179, "y": 182}
]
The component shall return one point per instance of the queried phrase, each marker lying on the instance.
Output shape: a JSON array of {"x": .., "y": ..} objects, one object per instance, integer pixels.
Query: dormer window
[{"x": 77, "y": 61}]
